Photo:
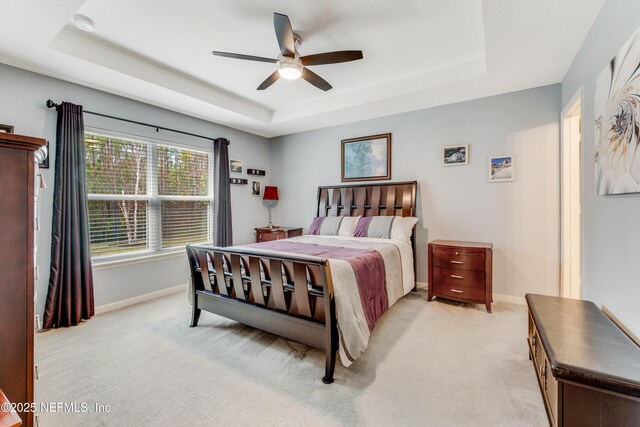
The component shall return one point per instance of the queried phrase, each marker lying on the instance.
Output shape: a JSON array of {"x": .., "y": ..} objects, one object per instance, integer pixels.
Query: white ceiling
[{"x": 417, "y": 53}]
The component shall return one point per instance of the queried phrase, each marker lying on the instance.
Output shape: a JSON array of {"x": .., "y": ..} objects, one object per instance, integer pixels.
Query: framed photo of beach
[
  {"x": 367, "y": 158},
  {"x": 501, "y": 169}
]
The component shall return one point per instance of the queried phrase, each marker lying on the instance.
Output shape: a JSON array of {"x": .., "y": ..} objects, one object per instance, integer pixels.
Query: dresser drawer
[{"x": 458, "y": 259}]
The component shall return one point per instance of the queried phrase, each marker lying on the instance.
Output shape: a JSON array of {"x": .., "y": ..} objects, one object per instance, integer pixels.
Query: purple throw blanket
[{"x": 368, "y": 266}]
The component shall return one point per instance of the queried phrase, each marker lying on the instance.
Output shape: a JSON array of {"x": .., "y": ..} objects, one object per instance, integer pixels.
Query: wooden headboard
[{"x": 388, "y": 199}]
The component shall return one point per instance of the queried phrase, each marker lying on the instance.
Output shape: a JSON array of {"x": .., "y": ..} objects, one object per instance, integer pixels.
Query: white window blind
[{"x": 146, "y": 196}]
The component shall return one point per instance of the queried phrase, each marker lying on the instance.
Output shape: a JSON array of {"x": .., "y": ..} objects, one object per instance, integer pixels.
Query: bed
[{"x": 298, "y": 288}]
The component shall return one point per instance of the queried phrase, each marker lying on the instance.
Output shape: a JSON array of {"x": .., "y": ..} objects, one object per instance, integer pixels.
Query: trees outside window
[{"x": 146, "y": 196}]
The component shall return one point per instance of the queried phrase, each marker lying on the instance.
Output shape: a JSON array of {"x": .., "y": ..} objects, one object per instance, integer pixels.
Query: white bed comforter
[{"x": 352, "y": 323}]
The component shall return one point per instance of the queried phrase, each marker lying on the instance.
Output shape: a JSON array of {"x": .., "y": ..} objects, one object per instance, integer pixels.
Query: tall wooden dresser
[{"x": 17, "y": 190}]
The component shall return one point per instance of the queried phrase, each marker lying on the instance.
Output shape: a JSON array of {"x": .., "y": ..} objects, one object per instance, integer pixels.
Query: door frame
[{"x": 571, "y": 198}]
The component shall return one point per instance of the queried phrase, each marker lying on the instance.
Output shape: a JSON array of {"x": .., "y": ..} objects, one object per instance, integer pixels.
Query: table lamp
[{"x": 270, "y": 194}]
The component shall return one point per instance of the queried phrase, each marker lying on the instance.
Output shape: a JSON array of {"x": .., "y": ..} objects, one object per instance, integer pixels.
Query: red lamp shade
[{"x": 270, "y": 193}]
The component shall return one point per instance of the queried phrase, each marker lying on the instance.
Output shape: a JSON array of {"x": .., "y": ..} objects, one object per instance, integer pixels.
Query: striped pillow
[
  {"x": 374, "y": 226},
  {"x": 386, "y": 227},
  {"x": 325, "y": 225}
]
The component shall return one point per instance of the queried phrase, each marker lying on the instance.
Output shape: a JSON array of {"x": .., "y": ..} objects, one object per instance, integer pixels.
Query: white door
[{"x": 571, "y": 254}]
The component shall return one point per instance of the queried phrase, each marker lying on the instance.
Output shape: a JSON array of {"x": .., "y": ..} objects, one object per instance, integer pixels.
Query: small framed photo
[
  {"x": 44, "y": 164},
  {"x": 501, "y": 169},
  {"x": 236, "y": 166},
  {"x": 255, "y": 188},
  {"x": 455, "y": 155},
  {"x": 6, "y": 128}
]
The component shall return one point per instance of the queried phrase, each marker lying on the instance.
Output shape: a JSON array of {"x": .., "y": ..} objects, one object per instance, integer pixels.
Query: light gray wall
[
  {"x": 520, "y": 218},
  {"x": 23, "y": 95},
  {"x": 610, "y": 230}
]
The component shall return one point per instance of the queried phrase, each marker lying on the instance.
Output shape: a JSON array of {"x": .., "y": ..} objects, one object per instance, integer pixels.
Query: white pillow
[
  {"x": 402, "y": 228},
  {"x": 348, "y": 226}
]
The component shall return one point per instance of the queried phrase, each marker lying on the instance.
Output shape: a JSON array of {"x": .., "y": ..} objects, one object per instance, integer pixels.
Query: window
[{"x": 146, "y": 196}]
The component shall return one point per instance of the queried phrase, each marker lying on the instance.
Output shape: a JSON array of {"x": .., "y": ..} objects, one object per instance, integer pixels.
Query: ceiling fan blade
[
  {"x": 284, "y": 34},
  {"x": 269, "y": 81},
  {"x": 246, "y": 57},
  {"x": 315, "y": 79},
  {"x": 331, "y": 57}
]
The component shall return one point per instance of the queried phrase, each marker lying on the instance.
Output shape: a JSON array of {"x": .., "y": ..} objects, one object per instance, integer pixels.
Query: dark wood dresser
[
  {"x": 461, "y": 271},
  {"x": 266, "y": 234},
  {"x": 17, "y": 183},
  {"x": 587, "y": 368}
]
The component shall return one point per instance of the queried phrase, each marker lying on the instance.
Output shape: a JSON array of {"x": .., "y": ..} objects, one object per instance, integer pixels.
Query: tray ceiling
[{"x": 417, "y": 54}]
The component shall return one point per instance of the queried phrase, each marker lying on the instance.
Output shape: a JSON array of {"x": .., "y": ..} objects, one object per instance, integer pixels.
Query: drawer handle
[
  {"x": 455, "y": 276},
  {"x": 457, "y": 262},
  {"x": 458, "y": 291}
]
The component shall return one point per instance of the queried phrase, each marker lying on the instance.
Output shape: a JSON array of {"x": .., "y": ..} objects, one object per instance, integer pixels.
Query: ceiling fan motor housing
[{"x": 290, "y": 68}]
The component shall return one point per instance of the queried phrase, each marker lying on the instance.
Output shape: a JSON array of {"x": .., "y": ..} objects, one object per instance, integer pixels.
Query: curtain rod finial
[{"x": 51, "y": 104}]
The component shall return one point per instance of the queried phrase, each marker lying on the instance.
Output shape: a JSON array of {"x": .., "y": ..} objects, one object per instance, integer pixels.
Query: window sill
[{"x": 105, "y": 264}]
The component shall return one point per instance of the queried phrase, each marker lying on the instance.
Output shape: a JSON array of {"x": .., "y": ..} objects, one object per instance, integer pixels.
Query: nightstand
[
  {"x": 461, "y": 271},
  {"x": 266, "y": 234}
]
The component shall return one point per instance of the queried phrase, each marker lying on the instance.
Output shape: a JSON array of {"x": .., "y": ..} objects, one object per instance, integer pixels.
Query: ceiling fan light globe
[{"x": 290, "y": 71}]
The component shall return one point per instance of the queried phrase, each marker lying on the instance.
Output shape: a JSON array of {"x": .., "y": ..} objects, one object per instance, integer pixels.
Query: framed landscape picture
[
  {"x": 235, "y": 166},
  {"x": 367, "y": 158},
  {"x": 455, "y": 155},
  {"x": 501, "y": 169}
]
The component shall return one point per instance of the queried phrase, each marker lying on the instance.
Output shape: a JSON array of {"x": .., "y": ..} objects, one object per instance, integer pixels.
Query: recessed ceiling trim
[
  {"x": 416, "y": 83},
  {"x": 107, "y": 55}
]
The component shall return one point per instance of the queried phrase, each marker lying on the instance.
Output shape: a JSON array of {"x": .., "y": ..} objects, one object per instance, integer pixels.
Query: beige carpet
[{"x": 428, "y": 364}]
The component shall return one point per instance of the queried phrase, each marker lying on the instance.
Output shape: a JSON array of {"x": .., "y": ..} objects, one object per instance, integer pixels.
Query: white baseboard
[
  {"x": 140, "y": 298},
  {"x": 507, "y": 299}
]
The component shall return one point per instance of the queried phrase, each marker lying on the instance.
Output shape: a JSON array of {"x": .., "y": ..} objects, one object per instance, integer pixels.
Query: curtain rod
[{"x": 51, "y": 104}]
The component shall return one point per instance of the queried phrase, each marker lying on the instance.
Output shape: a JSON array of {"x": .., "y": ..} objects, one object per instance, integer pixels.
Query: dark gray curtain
[
  {"x": 222, "y": 234},
  {"x": 70, "y": 296}
]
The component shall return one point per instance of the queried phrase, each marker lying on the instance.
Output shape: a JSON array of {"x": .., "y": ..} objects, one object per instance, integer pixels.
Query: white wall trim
[
  {"x": 499, "y": 298},
  {"x": 509, "y": 299},
  {"x": 139, "y": 299}
]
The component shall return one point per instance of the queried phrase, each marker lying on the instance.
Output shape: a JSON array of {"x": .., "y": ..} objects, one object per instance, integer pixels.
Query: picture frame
[
  {"x": 501, "y": 168},
  {"x": 616, "y": 122},
  {"x": 366, "y": 158},
  {"x": 238, "y": 181},
  {"x": 455, "y": 155},
  {"x": 236, "y": 166},
  {"x": 44, "y": 164},
  {"x": 256, "y": 188},
  {"x": 6, "y": 128}
]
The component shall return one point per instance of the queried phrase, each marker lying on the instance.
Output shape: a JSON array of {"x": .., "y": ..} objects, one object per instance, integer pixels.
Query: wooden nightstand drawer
[
  {"x": 459, "y": 292},
  {"x": 269, "y": 236},
  {"x": 458, "y": 278},
  {"x": 460, "y": 259},
  {"x": 266, "y": 234}
]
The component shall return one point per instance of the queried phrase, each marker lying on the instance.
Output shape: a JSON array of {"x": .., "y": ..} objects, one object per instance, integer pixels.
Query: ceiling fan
[{"x": 290, "y": 64}]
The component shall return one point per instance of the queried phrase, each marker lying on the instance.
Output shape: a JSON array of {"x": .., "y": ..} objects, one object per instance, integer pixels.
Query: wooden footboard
[{"x": 290, "y": 296}]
